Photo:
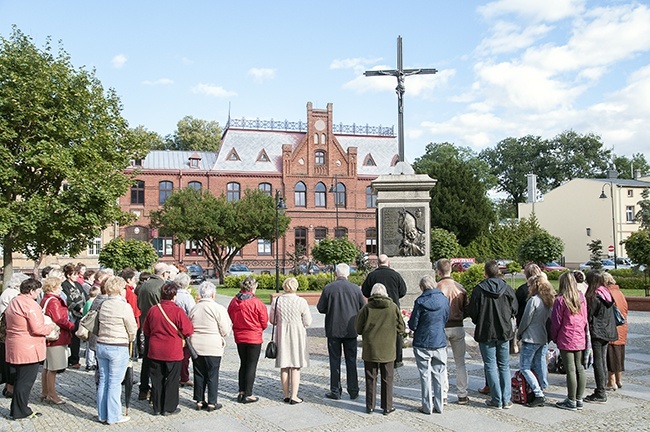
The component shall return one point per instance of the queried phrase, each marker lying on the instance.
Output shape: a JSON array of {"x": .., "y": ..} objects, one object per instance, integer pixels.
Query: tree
[
  {"x": 540, "y": 247},
  {"x": 63, "y": 149},
  {"x": 626, "y": 166},
  {"x": 194, "y": 134},
  {"x": 149, "y": 139},
  {"x": 221, "y": 227},
  {"x": 573, "y": 155},
  {"x": 595, "y": 253},
  {"x": 439, "y": 153},
  {"x": 643, "y": 215},
  {"x": 335, "y": 251},
  {"x": 443, "y": 244},
  {"x": 502, "y": 240},
  {"x": 637, "y": 247},
  {"x": 119, "y": 253}
]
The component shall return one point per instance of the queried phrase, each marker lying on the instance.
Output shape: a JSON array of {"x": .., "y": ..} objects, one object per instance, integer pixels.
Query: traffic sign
[{"x": 610, "y": 248}]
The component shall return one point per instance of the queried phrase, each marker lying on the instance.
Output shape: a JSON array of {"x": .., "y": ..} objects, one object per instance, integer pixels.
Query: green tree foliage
[
  {"x": 540, "y": 247},
  {"x": 221, "y": 227},
  {"x": 119, "y": 253},
  {"x": 443, "y": 244},
  {"x": 637, "y": 247},
  {"x": 63, "y": 148},
  {"x": 504, "y": 209},
  {"x": 573, "y": 155},
  {"x": 502, "y": 240},
  {"x": 471, "y": 277},
  {"x": 626, "y": 166},
  {"x": 459, "y": 201},
  {"x": 438, "y": 153},
  {"x": 595, "y": 253},
  {"x": 193, "y": 134},
  {"x": 643, "y": 215},
  {"x": 148, "y": 139},
  {"x": 335, "y": 251}
]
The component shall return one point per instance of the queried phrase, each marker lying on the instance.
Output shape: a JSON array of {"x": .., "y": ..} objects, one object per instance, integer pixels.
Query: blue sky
[{"x": 507, "y": 68}]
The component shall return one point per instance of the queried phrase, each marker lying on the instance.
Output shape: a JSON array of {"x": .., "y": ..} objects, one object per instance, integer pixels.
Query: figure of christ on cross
[{"x": 400, "y": 73}]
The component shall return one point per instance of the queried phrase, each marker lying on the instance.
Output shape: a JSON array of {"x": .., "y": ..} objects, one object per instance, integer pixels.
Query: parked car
[
  {"x": 608, "y": 264},
  {"x": 552, "y": 266},
  {"x": 238, "y": 270},
  {"x": 309, "y": 268},
  {"x": 461, "y": 266},
  {"x": 196, "y": 272}
]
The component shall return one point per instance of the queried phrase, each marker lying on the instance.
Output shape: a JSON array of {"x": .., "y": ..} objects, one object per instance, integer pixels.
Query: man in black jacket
[
  {"x": 492, "y": 308},
  {"x": 341, "y": 301},
  {"x": 395, "y": 287}
]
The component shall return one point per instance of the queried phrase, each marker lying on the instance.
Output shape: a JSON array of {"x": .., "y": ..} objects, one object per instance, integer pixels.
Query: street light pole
[
  {"x": 603, "y": 196},
  {"x": 279, "y": 205}
]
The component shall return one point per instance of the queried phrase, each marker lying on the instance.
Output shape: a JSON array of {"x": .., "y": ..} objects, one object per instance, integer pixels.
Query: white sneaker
[{"x": 124, "y": 419}]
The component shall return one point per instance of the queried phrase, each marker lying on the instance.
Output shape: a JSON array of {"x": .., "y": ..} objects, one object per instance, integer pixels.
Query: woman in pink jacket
[
  {"x": 569, "y": 332},
  {"x": 25, "y": 345}
]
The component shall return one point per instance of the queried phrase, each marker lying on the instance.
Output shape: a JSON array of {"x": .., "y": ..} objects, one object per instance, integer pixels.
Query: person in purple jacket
[{"x": 569, "y": 332}]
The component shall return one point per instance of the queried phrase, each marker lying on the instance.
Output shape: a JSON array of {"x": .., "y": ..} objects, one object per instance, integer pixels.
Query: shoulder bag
[
  {"x": 186, "y": 340},
  {"x": 618, "y": 316},
  {"x": 56, "y": 330},
  {"x": 272, "y": 348}
]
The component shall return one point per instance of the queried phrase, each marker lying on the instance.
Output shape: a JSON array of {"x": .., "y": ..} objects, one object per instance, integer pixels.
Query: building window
[
  {"x": 194, "y": 185},
  {"x": 323, "y": 139},
  {"x": 194, "y": 162},
  {"x": 320, "y": 157},
  {"x": 371, "y": 241},
  {"x": 319, "y": 234},
  {"x": 95, "y": 246},
  {"x": 263, "y": 247},
  {"x": 192, "y": 247},
  {"x": 164, "y": 246},
  {"x": 630, "y": 193},
  {"x": 371, "y": 198},
  {"x": 137, "y": 192},
  {"x": 340, "y": 232},
  {"x": 301, "y": 237},
  {"x": 316, "y": 138},
  {"x": 165, "y": 188},
  {"x": 320, "y": 195},
  {"x": 300, "y": 195},
  {"x": 629, "y": 214},
  {"x": 340, "y": 195},
  {"x": 232, "y": 191},
  {"x": 265, "y": 187}
]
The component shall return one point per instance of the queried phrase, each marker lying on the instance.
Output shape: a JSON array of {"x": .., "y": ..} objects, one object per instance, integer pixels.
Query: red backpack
[{"x": 521, "y": 391}]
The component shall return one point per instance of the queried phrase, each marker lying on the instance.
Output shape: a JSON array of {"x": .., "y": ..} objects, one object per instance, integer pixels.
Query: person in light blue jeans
[
  {"x": 117, "y": 330},
  {"x": 532, "y": 332}
]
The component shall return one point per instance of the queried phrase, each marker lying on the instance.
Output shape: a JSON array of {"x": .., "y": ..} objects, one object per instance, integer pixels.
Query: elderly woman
[
  {"x": 75, "y": 298},
  {"x": 291, "y": 315},
  {"x": 185, "y": 301},
  {"x": 8, "y": 293},
  {"x": 56, "y": 356},
  {"x": 166, "y": 326},
  {"x": 428, "y": 319},
  {"x": 616, "y": 349},
  {"x": 211, "y": 325},
  {"x": 25, "y": 343},
  {"x": 249, "y": 319},
  {"x": 117, "y": 329},
  {"x": 378, "y": 323}
]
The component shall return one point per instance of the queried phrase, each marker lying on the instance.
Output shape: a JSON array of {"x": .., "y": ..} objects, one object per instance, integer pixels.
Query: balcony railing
[{"x": 300, "y": 126}]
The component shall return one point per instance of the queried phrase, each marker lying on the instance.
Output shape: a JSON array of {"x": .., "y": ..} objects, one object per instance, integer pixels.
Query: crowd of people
[{"x": 154, "y": 316}]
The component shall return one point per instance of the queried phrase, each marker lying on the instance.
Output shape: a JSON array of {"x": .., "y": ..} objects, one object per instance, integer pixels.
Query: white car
[
  {"x": 238, "y": 270},
  {"x": 608, "y": 264}
]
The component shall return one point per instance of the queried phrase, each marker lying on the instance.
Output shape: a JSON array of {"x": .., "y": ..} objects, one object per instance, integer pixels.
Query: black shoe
[
  {"x": 354, "y": 396},
  {"x": 176, "y": 411},
  {"x": 240, "y": 397},
  {"x": 250, "y": 399},
  {"x": 536, "y": 402},
  {"x": 398, "y": 364},
  {"x": 389, "y": 410},
  {"x": 144, "y": 394},
  {"x": 595, "y": 399},
  {"x": 214, "y": 407},
  {"x": 287, "y": 400},
  {"x": 331, "y": 395},
  {"x": 370, "y": 410}
]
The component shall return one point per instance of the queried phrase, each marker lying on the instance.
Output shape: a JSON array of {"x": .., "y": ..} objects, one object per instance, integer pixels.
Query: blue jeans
[
  {"x": 112, "y": 361},
  {"x": 533, "y": 356},
  {"x": 91, "y": 358},
  {"x": 496, "y": 366}
]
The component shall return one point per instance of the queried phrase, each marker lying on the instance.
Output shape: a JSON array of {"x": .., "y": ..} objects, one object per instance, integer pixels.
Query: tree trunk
[
  {"x": 7, "y": 259},
  {"x": 37, "y": 264}
]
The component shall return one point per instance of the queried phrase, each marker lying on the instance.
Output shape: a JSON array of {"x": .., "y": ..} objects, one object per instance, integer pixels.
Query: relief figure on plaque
[{"x": 413, "y": 241}]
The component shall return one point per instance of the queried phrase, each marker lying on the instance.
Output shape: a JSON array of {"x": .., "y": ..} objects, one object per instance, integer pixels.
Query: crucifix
[{"x": 400, "y": 73}]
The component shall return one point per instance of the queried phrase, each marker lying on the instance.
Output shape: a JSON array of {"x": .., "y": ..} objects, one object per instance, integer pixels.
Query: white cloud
[
  {"x": 357, "y": 64},
  {"x": 261, "y": 74},
  {"x": 160, "y": 81},
  {"x": 212, "y": 90},
  {"x": 416, "y": 85},
  {"x": 119, "y": 61},
  {"x": 508, "y": 37},
  {"x": 534, "y": 10}
]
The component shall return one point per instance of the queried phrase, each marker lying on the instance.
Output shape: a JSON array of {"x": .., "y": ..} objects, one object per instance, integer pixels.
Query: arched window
[
  {"x": 300, "y": 195},
  {"x": 194, "y": 185},
  {"x": 316, "y": 138},
  {"x": 232, "y": 191},
  {"x": 265, "y": 187},
  {"x": 320, "y": 195},
  {"x": 137, "y": 192},
  {"x": 165, "y": 190},
  {"x": 324, "y": 139},
  {"x": 371, "y": 198},
  {"x": 340, "y": 195},
  {"x": 320, "y": 157},
  {"x": 371, "y": 241}
]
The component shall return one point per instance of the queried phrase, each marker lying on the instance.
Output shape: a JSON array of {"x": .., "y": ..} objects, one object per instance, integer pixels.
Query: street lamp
[
  {"x": 279, "y": 206},
  {"x": 335, "y": 189},
  {"x": 603, "y": 196}
]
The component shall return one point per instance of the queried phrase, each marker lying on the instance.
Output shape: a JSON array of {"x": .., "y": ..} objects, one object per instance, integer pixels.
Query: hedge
[{"x": 305, "y": 282}]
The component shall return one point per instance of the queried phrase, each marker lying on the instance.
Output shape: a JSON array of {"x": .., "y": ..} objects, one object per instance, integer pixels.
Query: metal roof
[
  {"x": 175, "y": 159},
  {"x": 623, "y": 182}
]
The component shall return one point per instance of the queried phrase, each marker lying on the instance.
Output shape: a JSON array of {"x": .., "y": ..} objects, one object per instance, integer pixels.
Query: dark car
[{"x": 197, "y": 275}]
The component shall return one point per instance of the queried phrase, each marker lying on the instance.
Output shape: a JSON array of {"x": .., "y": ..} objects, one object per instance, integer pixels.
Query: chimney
[
  {"x": 637, "y": 174},
  {"x": 612, "y": 174}
]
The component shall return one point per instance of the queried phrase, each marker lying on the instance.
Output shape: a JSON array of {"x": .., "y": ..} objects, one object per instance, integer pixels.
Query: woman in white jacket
[{"x": 211, "y": 325}]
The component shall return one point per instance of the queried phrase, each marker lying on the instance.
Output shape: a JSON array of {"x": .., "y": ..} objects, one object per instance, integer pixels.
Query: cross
[{"x": 400, "y": 73}]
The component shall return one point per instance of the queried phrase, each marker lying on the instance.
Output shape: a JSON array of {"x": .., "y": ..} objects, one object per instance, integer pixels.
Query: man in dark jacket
[
  {"x": 341, "y": 301},
  {"x": 492, "y": 307},
  {"x": 395, "y": 287}
]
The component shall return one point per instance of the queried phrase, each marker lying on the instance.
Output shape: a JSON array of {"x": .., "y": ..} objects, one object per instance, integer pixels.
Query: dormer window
[
  {"x": 263, "y": 157},
  {"x": 233, "y": 156},
  {"x": 369, "y": 161},
  {"x": 194, "y": 160}
]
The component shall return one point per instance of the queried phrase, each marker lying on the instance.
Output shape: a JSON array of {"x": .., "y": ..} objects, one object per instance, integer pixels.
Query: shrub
[
  {"x": 472, "y": 277},
  {"x": 357, "y": 279},
  {"x": 554, "y": 274}
]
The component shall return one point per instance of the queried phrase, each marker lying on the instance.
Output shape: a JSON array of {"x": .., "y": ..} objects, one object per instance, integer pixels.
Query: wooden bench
[{"x": 311, "y": 296}]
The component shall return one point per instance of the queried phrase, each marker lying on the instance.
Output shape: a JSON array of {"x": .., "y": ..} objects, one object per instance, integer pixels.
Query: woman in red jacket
[
  {"x": 166, "y": 326},
  {"x": 56, "y": 357},
  {"x": 249, "y": 319}
]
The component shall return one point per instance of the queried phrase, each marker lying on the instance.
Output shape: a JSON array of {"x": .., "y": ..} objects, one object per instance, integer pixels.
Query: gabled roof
[
  {"x": 622, "y": 182},
  {"x": 249, "y": 144}
]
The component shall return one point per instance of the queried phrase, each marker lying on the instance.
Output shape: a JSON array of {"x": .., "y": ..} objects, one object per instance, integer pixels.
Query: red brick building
[{"x": 302, "y": 160}]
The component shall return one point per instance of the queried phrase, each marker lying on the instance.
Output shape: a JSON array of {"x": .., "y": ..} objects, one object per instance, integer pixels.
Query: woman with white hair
[
  {"x": 7, "y": 371},
  {"x": 185, "y": 301},
  {"x": 211, "y": 325},
  {"x": 378, "y": 322},
  {"x": 291, "y": 315}
]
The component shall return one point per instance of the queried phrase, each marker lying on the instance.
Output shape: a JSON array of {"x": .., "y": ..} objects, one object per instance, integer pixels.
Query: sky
[{"x": 506, "y": 68}]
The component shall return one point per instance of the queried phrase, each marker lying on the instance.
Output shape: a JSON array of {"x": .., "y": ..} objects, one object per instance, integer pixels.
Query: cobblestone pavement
[{"x": 627, "y": 409}]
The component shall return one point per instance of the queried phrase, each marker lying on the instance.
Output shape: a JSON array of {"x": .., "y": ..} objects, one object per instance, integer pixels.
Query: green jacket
[{"x": 378, "y": 322}]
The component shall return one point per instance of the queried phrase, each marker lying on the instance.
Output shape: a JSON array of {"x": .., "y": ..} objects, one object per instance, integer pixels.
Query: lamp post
[
  {"x": 603, "y": 196},
  {"x": 279, "y": 206},
  {"x": 335, "y": 189}
]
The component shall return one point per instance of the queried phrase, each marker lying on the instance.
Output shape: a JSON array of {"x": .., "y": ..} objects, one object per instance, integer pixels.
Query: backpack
[
  {"x": 521, "y": 391},
  {"x": 554, "y": 362}
]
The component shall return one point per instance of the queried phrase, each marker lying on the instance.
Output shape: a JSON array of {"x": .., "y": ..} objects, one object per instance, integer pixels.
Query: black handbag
[
  {"x": 618, "y": 316},
  {"x": 191, "y": 349},
  {"x": 272, "y": 348}
]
